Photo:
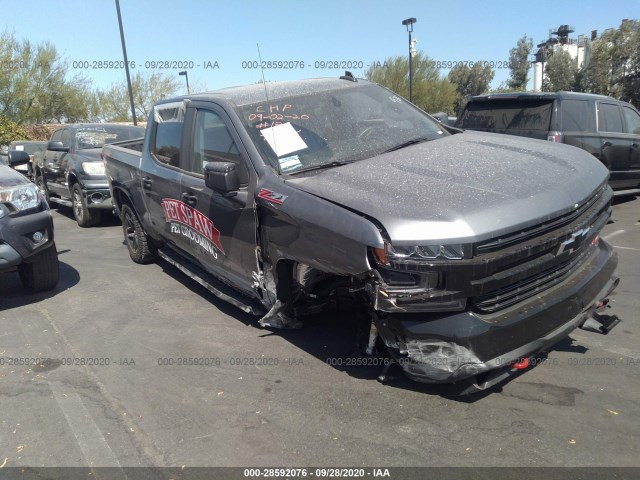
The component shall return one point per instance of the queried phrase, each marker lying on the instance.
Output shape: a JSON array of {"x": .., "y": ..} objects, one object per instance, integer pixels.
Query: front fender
[{"x": 299, "y": 226}]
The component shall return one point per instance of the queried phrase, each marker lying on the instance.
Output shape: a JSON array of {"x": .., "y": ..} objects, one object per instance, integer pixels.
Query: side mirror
[
  {"x": 18, "y": 157},
  {"x": 57, "y": 147},
  {"x": 222, "y": 177}
]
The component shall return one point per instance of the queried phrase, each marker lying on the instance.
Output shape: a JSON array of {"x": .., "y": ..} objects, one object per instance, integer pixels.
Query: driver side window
[{"x": 213, "y": 143}]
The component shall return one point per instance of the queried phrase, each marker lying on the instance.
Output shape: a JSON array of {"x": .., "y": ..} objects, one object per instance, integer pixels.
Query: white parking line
[
  {"x": 91, "y": 441},
  {"x": 627, "y": 248},
  {"x": 613, "y": 234}
]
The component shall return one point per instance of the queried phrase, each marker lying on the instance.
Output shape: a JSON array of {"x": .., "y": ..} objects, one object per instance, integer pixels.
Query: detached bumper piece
[
  {"x": 600, "y": 323},
  {"x": 479, "y": 349}
]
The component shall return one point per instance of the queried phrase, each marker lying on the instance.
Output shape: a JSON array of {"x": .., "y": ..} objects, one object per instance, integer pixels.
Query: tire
[
  {"x": 84, "y": 216},
  {"x": 141, "y": 248},
  {"x": 42, "y": 187},
  {"x": 43, "y": 272}
]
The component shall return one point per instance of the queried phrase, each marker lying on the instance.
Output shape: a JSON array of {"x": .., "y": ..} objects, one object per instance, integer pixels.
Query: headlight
[
  {"x": 93, "y": 168},
  {"x": 420, "y": 252},
  {"x": 22, "y": 197}
]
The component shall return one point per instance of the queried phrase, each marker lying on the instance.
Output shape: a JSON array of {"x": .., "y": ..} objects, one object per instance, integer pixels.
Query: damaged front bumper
[{"x": 481, "y": 348}]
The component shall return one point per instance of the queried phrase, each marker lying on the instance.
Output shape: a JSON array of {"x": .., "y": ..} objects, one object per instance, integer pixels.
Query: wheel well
[{"x": 71, "y": 181}]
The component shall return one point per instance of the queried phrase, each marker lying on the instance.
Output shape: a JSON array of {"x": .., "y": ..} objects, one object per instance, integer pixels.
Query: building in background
[{"x": 579, "y": 49}]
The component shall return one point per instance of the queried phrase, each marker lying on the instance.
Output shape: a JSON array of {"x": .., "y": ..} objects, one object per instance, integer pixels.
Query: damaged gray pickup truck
[{"x": 469, "y": 252}]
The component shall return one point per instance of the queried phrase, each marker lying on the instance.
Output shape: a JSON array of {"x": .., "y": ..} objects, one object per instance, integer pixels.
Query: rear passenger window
[
  {"x": 632, "y": 119},
  {"x": 575, "y": 116},
  {"x": 168, "y": 123},
  {"x": 609, "y": 119}
]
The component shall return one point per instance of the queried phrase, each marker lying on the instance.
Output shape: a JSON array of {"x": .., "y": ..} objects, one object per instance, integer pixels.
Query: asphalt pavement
[{"x": 147, "y": 368}]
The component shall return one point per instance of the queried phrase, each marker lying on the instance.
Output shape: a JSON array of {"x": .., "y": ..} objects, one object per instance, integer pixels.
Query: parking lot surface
[{"x": 147, "y": 368}]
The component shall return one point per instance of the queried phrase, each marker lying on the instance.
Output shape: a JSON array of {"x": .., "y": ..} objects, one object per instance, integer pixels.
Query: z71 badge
[{"x": 272, "y": 196}]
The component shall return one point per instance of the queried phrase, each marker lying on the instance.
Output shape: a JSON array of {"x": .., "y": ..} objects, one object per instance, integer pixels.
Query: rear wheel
[
  {"x": 141, "y": 248},
  {"x": 43, "y": 272},
  {"x": 84, "y": 216}
]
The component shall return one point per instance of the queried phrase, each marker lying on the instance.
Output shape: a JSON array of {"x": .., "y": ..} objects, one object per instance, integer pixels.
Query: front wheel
[
  {"x": 84, "y": 216},
  {"x": 43, "y": 272},
  {"x": 42, "y": 187},
  {"x": 141, "y": 248}
]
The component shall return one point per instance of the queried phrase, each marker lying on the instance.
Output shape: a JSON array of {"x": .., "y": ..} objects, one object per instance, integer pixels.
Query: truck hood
[
  {"x": 10, "y": 178},
  {"x": 465, "y": 187},
  {"x": 89, "y": 154}
]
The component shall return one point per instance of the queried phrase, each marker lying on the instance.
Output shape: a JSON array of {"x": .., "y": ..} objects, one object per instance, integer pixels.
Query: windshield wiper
[
  {"x": 408, "y": 143},
  {"x": 319, "y": 167}
]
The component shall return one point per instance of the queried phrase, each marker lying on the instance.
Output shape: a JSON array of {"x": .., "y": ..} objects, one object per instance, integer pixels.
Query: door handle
[
  {"x": 634, "y": 145},
  {"x": 189, "y": 199},
  {"x": 147, "y": 183},
  {"x": 606, "y": 144}
]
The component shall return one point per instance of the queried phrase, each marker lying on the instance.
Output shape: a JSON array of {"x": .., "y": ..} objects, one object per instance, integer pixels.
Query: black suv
[
  {"x": 26, "y": 228},
  {"x": 607, "y": 128}
]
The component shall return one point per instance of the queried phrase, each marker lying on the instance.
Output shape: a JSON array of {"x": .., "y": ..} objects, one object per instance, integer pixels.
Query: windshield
[
  {"x": 334, "y": 127},
  {"x": 97, "y": 136}
]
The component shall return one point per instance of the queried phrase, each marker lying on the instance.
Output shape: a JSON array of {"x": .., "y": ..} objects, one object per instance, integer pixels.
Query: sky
[{"x": 217, "y": 41}]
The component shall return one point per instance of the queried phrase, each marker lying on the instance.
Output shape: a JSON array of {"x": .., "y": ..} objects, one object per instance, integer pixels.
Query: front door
[
  {"x": 222, "y": 229},
  {"x": 55, "y": 162}
]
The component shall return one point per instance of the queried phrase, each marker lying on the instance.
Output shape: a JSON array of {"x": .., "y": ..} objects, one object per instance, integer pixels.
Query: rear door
[
  {"x": 615, "y": 144},
  {"x": 221, "y": 229},
  {"x": 632, "y": 128},
  {"x": 162, "y": 175}
]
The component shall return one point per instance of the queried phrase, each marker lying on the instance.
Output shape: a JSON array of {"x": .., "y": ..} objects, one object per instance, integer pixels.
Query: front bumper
[
  {"x": 442, "y": 348},
  {"x": 97, "y": 195},
  {"x": 17, "y": 243}
]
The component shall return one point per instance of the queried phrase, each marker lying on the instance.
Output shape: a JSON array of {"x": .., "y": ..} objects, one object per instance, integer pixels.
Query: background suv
[{"x": 607, "y": 128}]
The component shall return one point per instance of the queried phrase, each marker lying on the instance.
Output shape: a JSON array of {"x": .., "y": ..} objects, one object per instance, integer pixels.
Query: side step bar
[
  {"x": 60, "y": 201},
  {"x": 208, "y": 281}
]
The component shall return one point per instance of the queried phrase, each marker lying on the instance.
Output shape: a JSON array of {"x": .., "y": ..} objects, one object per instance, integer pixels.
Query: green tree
[
  {"x": 10, "y": 131},
  {"x": 112, "y": 104},
  {"x": 595, "y": 77},
  {"x": 431, "y": 92},
  {"x": 35, "y": 85},
  {"x": 470, "y": 81},
  {"x": 561, "y": 72},
  {"x": 519, "y": 64}
]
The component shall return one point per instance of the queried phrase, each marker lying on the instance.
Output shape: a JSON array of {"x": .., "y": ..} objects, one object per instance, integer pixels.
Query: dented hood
[{"x": 468, "y": 187}]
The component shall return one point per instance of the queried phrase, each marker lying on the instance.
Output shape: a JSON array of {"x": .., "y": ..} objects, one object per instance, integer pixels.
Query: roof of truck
[{"x": 255, "y": 93}]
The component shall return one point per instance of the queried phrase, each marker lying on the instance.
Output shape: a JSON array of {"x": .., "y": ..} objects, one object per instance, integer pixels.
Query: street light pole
[
  {"x": 126, "y": 64},
  {"x": 186, "y": 76},
  {"x": 409, "y": 24}
]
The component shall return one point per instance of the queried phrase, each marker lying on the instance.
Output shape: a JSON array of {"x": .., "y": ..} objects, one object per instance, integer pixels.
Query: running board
[
  {"x": 60, "y": 201},
  {"x": 208, "y": 281}
]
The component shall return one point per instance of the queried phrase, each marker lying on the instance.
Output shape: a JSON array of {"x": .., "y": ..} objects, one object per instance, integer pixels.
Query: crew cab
[
  {"x": 468, "y": 252},
  {"x": 26, "y": 228},
  {"x": 71, "y": 172}
]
